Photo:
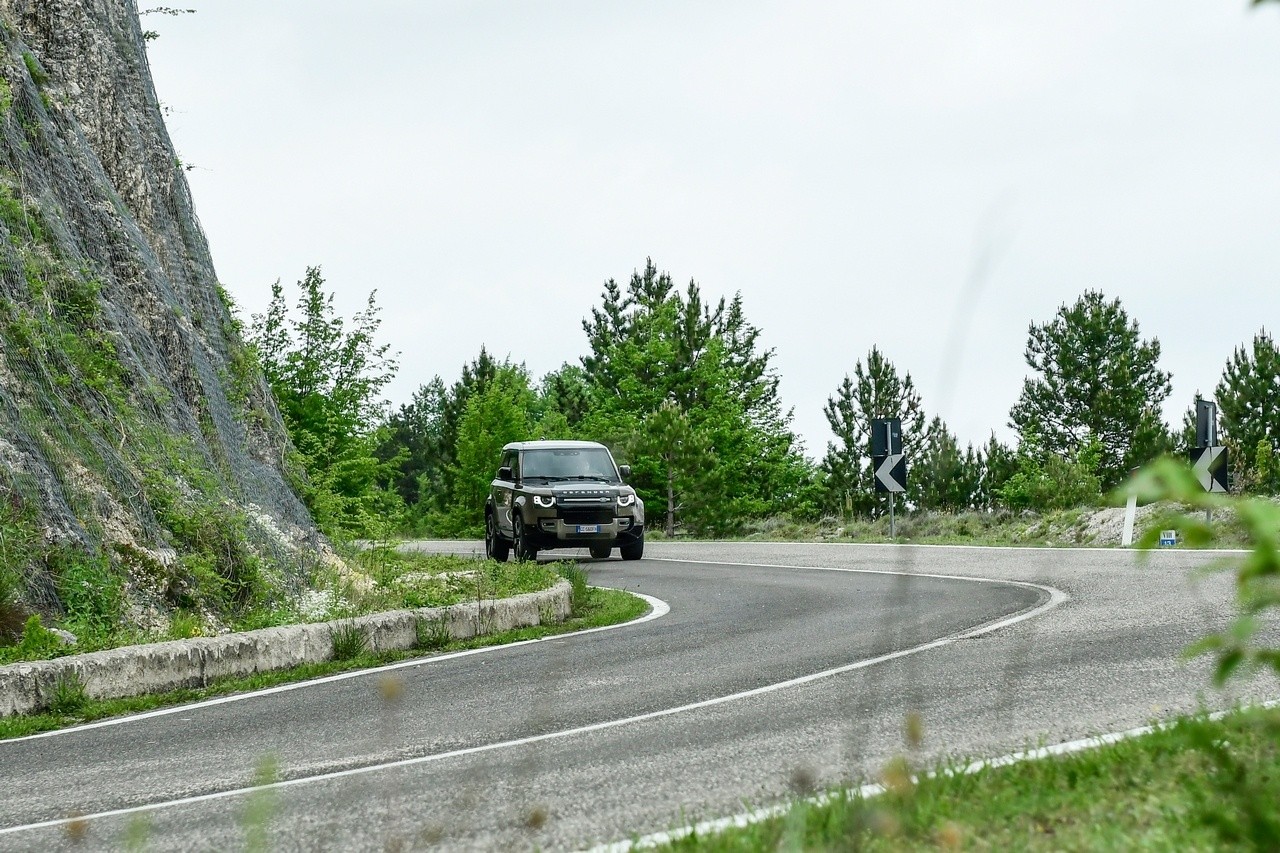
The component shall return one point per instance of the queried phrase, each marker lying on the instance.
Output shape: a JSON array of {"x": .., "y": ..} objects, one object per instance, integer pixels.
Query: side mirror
[
  {"x": 625, "y": 471},
  {"x": 504, "y": 473}
]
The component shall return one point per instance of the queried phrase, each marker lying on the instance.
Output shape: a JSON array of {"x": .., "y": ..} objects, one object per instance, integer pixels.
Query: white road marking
[
  {"x": 657, "y": 609},
  {"x": 1056, "y": 597},
  {"x": 721, "y": 824},
  {"x": 1107, "y": 548}
]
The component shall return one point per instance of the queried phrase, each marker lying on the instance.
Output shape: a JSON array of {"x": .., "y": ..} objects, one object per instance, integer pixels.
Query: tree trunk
[{"x": 671, "y": 500}]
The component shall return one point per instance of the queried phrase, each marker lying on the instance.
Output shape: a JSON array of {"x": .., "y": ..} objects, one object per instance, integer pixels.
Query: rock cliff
[{"x": 143, "y": 465}]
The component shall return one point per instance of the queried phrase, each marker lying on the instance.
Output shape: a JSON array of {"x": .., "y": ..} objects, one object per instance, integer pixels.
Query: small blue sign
[{"x": 1168, "y": 538}]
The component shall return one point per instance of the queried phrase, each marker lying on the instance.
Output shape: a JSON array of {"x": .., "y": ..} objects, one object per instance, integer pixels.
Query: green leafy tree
[
  {"x": 423, "y": 435},
  {"x": 1095, "y": 379},
  {"x": 1046, "y": 481},
  {"x": 1264, "y": 466},
  {"x": 493, "y": 417},
  {"x": 327, "y": 376},
  {"x": 875, "y": 391},
  {"x": 1248, "y": 397}
]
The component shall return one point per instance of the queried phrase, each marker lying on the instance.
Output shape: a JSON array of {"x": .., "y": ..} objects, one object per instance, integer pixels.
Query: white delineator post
[{"x": 1130, "y": 515}]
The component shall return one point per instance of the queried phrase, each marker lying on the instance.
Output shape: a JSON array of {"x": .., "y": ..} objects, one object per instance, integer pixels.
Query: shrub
[
  {"x": 38, "y": 75},
  {"x": 1047, "y": 481},
  {"x": 434, "y": 633},
  {"x": 185, "y": 625},
  {"x": 577, "y": 578},
  {"x": 68, "y": 695},
  {"x": 35, "y": 643},
  {"x": 90, "y": 591},
  {"x": 349, "y": 641}
]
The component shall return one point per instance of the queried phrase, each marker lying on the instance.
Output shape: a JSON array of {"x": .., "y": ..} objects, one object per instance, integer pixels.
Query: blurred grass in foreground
[{"x": 1196, "y": 784}]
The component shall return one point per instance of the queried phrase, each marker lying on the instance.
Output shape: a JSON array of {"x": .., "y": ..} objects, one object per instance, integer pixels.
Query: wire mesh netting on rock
[{"x": 135, "y": 428}]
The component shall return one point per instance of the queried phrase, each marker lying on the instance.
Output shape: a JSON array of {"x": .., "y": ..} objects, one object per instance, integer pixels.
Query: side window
[
  {"x": 515, "y": 466},
  {"x": 509, "y": 460}
]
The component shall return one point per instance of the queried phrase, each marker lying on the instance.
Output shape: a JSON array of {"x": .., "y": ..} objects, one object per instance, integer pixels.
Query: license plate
[{"x": 588, "y": 528}]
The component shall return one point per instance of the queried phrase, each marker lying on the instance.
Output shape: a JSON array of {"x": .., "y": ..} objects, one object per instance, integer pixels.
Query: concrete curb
[{"x": 157, "y": 667}]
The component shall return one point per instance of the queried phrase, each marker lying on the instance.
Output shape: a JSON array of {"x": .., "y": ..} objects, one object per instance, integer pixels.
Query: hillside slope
[{"x": 142, "y": 460}]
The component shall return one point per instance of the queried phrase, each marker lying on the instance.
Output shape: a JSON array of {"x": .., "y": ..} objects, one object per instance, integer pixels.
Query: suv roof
[{"x": 553, "y": 445}]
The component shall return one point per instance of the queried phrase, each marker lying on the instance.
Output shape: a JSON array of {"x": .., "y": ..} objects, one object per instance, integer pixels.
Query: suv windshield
[{"x": 586, "y": 463}]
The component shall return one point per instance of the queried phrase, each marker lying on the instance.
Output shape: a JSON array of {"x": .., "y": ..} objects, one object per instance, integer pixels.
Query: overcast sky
[{"x": 926, "y": 177}]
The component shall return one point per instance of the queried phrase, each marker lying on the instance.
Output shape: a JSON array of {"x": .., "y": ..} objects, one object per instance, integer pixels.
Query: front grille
[{"x": 587, "y": 516}]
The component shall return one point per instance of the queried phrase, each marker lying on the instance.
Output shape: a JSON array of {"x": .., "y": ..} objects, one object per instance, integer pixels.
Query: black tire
[
  {"x": 524, "y": 549},
  {"x": 633, "y": 550},
  {"x": 601, "y": 551},
  {"x": 495, "y": 547}
]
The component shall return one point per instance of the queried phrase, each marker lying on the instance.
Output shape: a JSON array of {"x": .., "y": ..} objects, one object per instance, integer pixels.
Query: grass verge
[
  {"x": 599, "y": 608},
  {"x": 1197, "y": 784},
  {"x": 1068, "y": 528},
  {"x": 373, "y": 580}
]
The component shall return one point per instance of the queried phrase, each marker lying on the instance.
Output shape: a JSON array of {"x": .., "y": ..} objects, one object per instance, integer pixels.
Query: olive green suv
[{"x": 561, "y": 494}]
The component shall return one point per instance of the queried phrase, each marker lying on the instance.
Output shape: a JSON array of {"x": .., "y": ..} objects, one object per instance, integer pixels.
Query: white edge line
[
  {"x": 657, "y": 609},
  {"x": 873, "y": 789},
  {"x": 722, "y": 543},
  {"x": 1028, "y": 584},
  {"x": 1112, "y": 549},
  {"x": 1056, "y": 597}
]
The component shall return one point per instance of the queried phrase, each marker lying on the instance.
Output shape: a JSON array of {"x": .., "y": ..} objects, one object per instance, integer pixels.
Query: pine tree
[
  {"x": 1248, "y": 397},
  {"x": 688, "y": 476},
  {"x": 653, "y": 344},
  {"x": 422, "y": 437},
  {"x": 1095, "y": 379},
  {"x": 413, "y": 441},
  {"x": 876, "y": 391},
  {"x": 494, "y": 416},
  {"x": 566, "y": 391},
  {"x": 948, "y": 479},
  {"x": 998, "y": 463}
]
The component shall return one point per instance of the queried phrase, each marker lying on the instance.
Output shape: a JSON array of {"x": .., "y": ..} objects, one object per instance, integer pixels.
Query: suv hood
[{"x": 587, "y": 492}]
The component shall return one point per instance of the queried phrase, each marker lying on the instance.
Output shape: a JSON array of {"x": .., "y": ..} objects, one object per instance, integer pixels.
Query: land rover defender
[{"x": 561, "y": 494}]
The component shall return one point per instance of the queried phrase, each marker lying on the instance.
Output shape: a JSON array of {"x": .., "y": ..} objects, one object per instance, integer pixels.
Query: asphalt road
[{"x": 574, "y": 741}]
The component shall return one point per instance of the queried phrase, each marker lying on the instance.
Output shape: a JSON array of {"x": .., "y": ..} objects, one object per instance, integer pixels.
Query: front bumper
[{"x": 557, "y": 532}]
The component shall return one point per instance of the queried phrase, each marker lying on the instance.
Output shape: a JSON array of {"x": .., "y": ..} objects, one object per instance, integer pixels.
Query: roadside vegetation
[
  {"x": 1197, "y": 784},
  {"x": 369, "y": 580},
  {"x": 1086, "y": 526},
  {"x": 591, "y": 608}
]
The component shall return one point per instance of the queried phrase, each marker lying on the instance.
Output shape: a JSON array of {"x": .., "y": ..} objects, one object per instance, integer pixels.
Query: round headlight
[
  {"x": 544, "y": 500},
  {"x": 626, "y": 500}
]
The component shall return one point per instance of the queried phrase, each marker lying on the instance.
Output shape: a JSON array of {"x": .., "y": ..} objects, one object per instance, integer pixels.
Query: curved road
[{"x": 573, "y": 741}]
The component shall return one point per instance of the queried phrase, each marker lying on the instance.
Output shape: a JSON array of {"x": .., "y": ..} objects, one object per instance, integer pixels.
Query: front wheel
[
  {"x": 633, "y": 550},
  {"x": 524, "y": 549},
  {"x": 495, "y": 547},
  {"x": 600, "y": 552}
]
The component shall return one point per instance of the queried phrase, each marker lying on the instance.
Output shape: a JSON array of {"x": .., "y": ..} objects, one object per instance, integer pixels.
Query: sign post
[{"x": 889, "y": 461}]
